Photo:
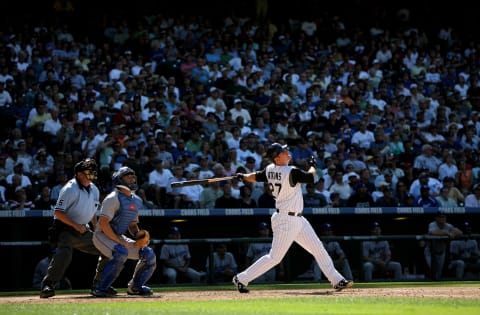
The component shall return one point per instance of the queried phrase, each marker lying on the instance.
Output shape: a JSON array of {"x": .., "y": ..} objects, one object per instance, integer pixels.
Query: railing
[
  {"x": 201, "y": 212},
  {"x": 244, "y": 240}
]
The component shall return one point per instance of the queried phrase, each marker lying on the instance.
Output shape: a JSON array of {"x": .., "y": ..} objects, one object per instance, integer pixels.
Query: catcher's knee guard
[
  {"x": 113, "y": 267},
  {"x": 146, "y": 265}
]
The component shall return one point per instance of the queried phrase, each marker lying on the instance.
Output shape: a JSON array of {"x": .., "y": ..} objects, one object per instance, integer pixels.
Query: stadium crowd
[{"x": 390, "y": 110}]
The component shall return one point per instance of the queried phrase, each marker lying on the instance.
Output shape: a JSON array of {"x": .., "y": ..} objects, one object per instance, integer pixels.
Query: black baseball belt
[{"x": 293, "y": 214}]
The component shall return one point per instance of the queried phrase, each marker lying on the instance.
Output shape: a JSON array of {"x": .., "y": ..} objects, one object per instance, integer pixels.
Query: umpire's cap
[
  {"x": 275, "y": 149},
  {"x": 87, "y": 166}
]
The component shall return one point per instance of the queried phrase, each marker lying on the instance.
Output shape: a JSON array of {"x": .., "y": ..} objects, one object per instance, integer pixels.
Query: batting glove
[{"x": 311, "y": 162}]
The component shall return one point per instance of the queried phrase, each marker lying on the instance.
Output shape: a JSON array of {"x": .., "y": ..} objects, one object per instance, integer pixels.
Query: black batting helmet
[{"x": 275, "y": 149}]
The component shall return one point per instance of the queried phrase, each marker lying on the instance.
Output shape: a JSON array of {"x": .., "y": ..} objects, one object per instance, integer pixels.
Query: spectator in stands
[
  {"x": 21, "y": 200},
  {"x": 246, "y": 200},
  {"x": 473, "y": 199},
  {"x": 342, "y": 188},
  {"x": 23, "y": 156},
  {"x": 354, "y": 160},
  {"x": 453, "y": 192},
  {"x": 335, "y": 201},
  {"x": 388, "y": 199},
  {"x": 444, "y": 200},
  {"x": 447, "y": 168},
  {"x": 158, "y": 180},
  {"x": 266, "y": 199},
  {"x": 224, "y": 264},
  {"x": 361, "y": 198},
  {"x": 425, "y": 200},
  {"x": 363, "y": 138},
  {"x": 176, "y": 259},
  {"x": 312, "y": 198},
  {"x": 41, "y": 168},
  {"x": 43, "y": 201},
  {"x": 10, "y": 189},
  {"x": 388, "y": 176},
  {"x": 464, "y": 177},
  {"x": 146, "y": 204},
  {"x": 377, "y": 256},
  {"x": 424, "y": 179},
  {"x": 301, "y": 152},
  {"x": 174, "y": 192},
  {"x": 320, "y": 188},
  {"x": 464, "y": 254},
  {"x": 227, "y": 200},
  {"x": 190, "y": 195},
  {"x": 350, "y": 175},
  {"x": 436, "y": 249},
  {"x": 210, "y": 193},
  {"x": 427, "y": 160}
]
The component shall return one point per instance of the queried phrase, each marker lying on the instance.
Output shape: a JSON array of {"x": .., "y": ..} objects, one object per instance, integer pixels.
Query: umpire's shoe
[
  {"x": 47, "y": 291},
  {"x": 343, "y": 284},
  {"x": 240, "y": 286}
]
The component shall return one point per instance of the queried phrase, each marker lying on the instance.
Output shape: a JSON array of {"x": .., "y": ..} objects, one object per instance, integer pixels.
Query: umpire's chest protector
[{"x": 127, "y": 212}]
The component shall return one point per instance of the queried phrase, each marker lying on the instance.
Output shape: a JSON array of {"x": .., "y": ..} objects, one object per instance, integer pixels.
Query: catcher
[{"x": 119, "y": 215}]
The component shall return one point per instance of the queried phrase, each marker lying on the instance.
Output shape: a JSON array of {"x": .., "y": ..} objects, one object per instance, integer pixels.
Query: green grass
[
  {"x": 307, "y": 304},
  {"x": 316, "y": 306}
]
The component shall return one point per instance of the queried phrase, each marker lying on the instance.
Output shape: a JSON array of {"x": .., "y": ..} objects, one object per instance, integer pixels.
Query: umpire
[{"x": 76, "y": 207}]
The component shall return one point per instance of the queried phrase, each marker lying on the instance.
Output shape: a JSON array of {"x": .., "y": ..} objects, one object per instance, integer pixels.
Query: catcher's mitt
[{"x": 142, "y": 238}]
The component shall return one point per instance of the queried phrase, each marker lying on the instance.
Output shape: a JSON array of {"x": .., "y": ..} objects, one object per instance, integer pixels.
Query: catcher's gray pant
[
  {"x": 146, "y": 260},
  {"x": 286, "y": 230}
]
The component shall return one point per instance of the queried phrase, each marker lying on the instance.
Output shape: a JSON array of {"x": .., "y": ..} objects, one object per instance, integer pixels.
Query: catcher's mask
[
  {"x": 88, "y": 167},
  {"x": 118, "y": 178}
]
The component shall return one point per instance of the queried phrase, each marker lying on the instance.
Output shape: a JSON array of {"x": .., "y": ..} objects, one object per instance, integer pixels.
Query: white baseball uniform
[{"x": 288, "y": 224}]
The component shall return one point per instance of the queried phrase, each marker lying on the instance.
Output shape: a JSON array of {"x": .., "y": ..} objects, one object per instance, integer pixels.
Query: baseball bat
[{"x": 200, "y": 181}]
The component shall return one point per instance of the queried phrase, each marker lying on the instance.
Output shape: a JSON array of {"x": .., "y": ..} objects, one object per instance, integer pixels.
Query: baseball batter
[
  {"x": 288, "y": 224},
  {"x": 120, "y": 214},
  {"x": 76, "y": 207}
]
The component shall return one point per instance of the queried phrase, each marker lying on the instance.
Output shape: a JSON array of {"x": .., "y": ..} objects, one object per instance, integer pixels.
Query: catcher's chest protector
[{"x": 127, "y": 213}]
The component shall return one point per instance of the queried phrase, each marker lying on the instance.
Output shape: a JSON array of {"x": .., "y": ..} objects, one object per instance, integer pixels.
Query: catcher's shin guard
[
  {"x": 113, "y": 267},
  {"x": 145, "y": 267}
]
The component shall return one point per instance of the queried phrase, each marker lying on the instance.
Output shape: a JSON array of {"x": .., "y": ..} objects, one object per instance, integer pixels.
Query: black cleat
[
  {"x": 343, "y": 284},
  {"x": 110, "y": 291},
  {"x": 240, "y": 286},
  {"x": 47, "y": 291},
  {"x": 103, "y": 293},
  {"x": 142, "y": 291}
]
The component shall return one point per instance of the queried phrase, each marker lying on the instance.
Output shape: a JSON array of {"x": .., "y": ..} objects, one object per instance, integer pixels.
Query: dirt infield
[{"x": 417, "y": 292}]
